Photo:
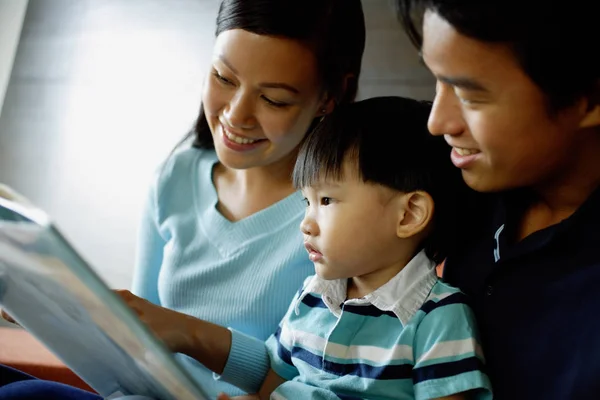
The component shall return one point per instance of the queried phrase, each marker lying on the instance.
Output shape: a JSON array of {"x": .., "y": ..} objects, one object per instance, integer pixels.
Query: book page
[{"x": 50, "y": 291}]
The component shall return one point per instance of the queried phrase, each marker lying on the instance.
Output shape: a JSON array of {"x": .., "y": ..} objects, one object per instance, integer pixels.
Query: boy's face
[
  {"x": 493, "y": 115},
  {"x": 350, "y": 227}
]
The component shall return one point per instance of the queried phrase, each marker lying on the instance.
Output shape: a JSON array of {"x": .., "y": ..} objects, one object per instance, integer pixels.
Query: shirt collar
[
  {"x": 507, "y": 217},
  {"x": 403, "y": 295}
]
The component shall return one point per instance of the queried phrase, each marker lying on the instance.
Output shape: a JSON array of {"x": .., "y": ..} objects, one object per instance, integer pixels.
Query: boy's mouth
[{"x": 313, "y": 254}]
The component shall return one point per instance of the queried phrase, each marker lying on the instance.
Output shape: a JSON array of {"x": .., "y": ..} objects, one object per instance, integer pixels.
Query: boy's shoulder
[
  {"x": 445, "y": 303},
  {"x": 444, "y": 292}
]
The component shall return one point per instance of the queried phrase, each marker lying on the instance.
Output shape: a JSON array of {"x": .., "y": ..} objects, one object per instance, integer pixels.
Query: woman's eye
[
  {"x": 222, "y": 79},
  {"x": 273, "y": 103}
]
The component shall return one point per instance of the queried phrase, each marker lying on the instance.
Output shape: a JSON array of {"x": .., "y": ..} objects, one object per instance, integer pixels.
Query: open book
[{"x": 54, "y": 294}]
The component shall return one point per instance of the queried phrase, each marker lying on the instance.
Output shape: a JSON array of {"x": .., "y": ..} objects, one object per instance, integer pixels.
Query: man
[{"x": 518, "y": 93}]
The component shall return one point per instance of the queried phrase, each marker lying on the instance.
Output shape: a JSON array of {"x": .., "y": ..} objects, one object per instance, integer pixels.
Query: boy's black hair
[{"x": 391, "y": 143}]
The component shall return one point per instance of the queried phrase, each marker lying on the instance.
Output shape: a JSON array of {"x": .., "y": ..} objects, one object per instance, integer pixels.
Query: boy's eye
[{"x": 325, "y": 201}]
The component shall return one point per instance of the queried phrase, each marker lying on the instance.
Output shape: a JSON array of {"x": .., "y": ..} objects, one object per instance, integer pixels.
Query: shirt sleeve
[
  {"x": 448, "y": 357},
  {"x": 149, "y": 252},
  {"x": 280, "y": 346}
]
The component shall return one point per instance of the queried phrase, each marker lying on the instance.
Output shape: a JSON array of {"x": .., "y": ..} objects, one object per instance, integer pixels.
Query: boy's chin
[{"x": 327, "y": 273}]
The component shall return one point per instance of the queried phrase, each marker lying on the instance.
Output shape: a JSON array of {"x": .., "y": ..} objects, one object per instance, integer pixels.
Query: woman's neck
[
  {"x": 243, "y": 192},
  {"x": 273, "y": 175}
]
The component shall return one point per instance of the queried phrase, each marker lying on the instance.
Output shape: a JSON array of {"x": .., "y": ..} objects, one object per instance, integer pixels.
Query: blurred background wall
[{"x": 12, "y": 13}]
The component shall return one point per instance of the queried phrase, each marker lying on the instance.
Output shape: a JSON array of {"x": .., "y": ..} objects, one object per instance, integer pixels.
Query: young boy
[{"x": 375, "y": 322}]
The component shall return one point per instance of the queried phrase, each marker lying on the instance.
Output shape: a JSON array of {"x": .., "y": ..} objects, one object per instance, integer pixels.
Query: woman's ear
[
  {"x": 329, "y": 102},
  {"x": 327, "y": 106},
  {"x": 415, "y": 213}
]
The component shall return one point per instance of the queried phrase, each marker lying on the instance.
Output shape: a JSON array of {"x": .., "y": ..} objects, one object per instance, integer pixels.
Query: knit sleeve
[
  {"x": 248, "y": 363},
  {"x": 250, "y": 359},
  {"x": 149, "y": 252}
]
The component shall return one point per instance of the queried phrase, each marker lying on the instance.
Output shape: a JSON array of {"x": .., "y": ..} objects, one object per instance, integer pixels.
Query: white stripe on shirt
[{"x": 451, "y": 348}]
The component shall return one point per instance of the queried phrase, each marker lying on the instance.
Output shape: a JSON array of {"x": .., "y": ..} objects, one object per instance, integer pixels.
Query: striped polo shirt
[{"x": 413, "y": 338}]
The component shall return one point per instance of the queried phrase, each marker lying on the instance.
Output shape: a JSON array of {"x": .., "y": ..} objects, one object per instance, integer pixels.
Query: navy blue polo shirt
[{"x": 537, "y": 301}]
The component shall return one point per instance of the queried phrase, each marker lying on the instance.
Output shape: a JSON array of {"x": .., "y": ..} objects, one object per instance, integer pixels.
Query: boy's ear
[{"x": 415, "y": 214}]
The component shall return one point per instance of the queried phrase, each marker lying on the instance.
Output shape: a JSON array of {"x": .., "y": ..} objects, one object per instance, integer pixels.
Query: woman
[{"x": 219, "y": 244}]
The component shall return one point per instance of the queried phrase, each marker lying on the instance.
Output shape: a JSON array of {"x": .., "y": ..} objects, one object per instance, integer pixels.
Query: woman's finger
[{"x": 7, "y": 317}]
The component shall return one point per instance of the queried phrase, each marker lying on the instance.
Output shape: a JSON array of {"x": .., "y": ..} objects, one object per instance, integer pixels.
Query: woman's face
[{"x": 260, "y": 97}]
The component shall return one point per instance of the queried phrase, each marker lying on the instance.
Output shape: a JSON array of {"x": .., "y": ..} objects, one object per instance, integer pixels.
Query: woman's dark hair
[
  {"x": 553, "y": 41},
  {"x": 388, "y": 138},
  {"x": 334, "y": 29}
]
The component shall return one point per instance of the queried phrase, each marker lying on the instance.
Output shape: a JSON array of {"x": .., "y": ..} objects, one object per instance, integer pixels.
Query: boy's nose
[{"x": 309, "y": 227}]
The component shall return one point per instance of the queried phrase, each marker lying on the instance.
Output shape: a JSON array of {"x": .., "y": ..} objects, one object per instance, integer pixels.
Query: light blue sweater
[{"x": 241, "y": 274}]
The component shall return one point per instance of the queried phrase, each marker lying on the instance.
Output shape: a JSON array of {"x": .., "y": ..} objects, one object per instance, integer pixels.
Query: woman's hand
[
  {"x": 171, "y": 327},
  {"x": 7, "y": 317},
  {"x": 206, "y": 342},
  {"x": 223, "y": 396}
]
